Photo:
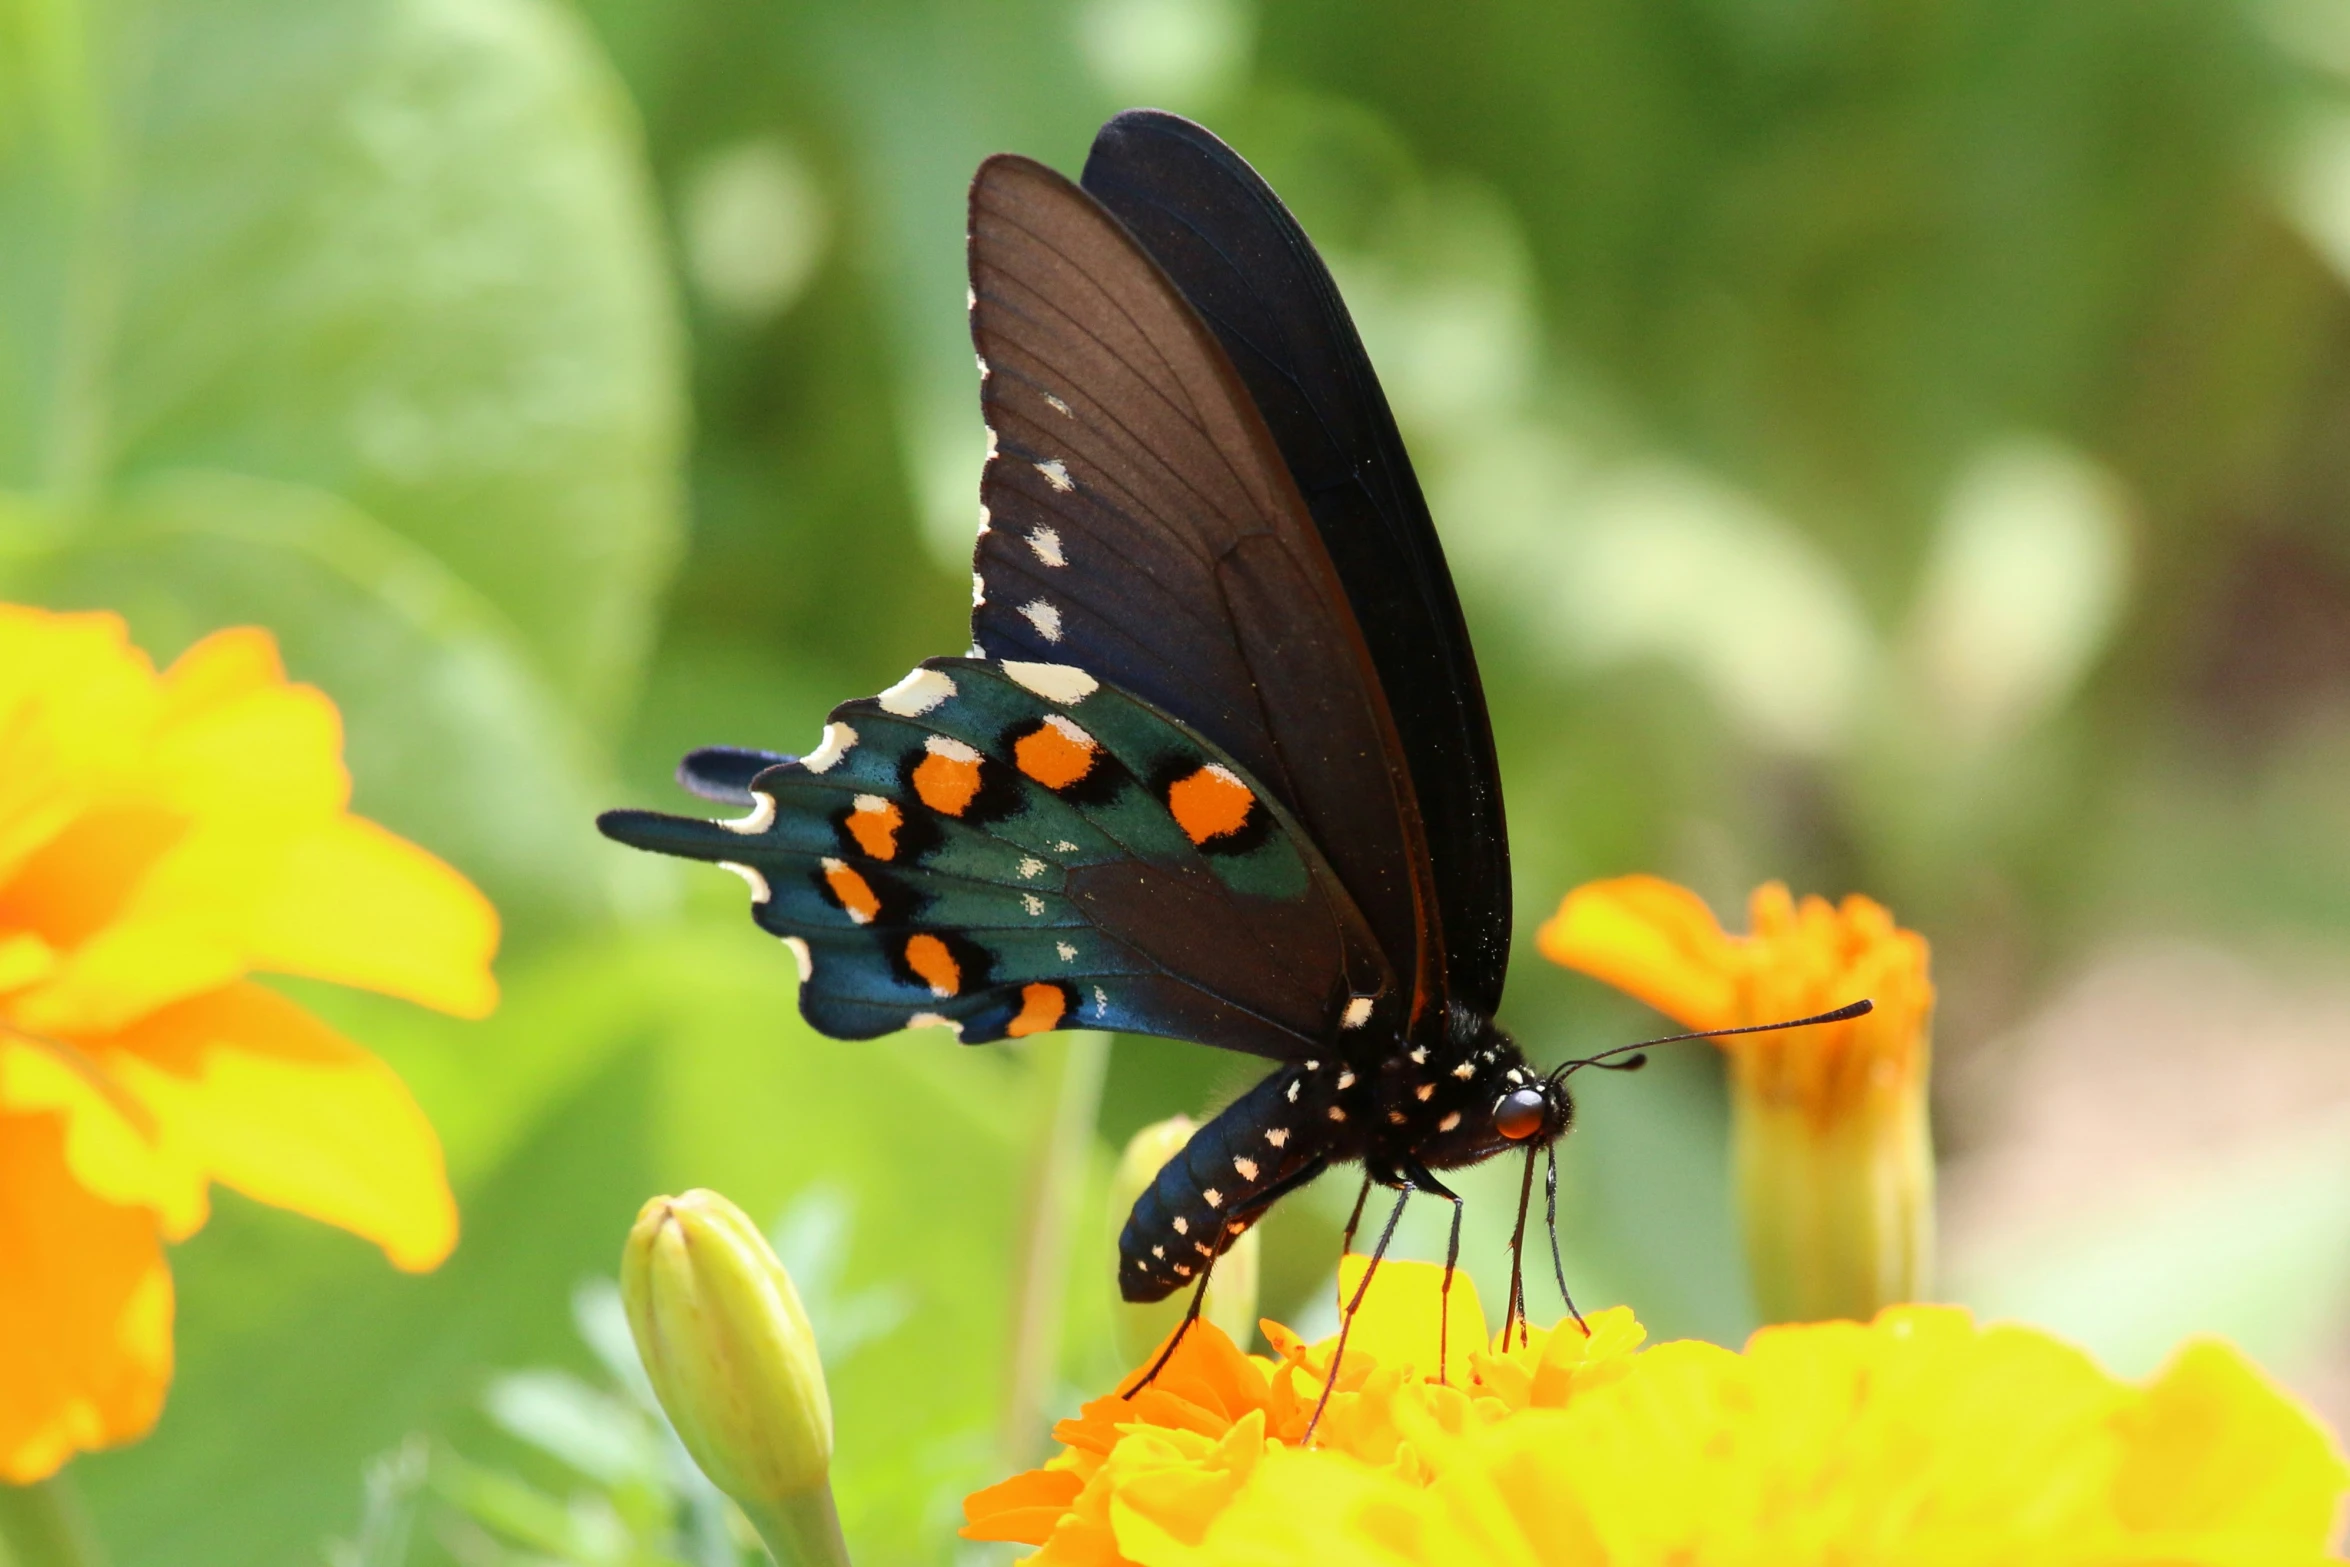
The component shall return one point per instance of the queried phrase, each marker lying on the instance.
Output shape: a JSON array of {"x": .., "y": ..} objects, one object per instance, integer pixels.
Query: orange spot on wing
[
  {"x": 1041, "y": 1007},
  {"x": 948, "y": 781},
  {"x": 874, "y": 824},
  {"x": 1209, "y": 803},
  {"x": 1057, "y": 755},
  {"x": 928, "y": 956},
  {"x": 855, "y": 893}
]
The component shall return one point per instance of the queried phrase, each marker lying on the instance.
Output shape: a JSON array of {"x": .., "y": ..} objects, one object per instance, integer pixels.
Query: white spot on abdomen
[
  {"x": 1045, "y": 618},
  {"x": 917, "y": 694}
]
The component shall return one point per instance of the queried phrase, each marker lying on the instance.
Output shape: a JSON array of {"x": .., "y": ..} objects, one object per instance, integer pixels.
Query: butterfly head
[{"x": 1491, "y": 1100}]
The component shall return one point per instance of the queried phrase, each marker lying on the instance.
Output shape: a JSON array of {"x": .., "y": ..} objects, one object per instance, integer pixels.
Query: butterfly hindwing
[
  {"x": 1140, "y": 521},
  {"x": 1245, "y": 264},
  {"x": 1006, "y": 848}
]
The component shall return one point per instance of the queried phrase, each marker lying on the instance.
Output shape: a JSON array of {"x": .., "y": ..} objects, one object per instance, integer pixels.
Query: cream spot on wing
[
  {"x": 1517, "y": 1076},
  {"x": 1425, "y": 1092},
  {"x": 918, "y": 693},
  {"x": 984, "y": 372},
  {"x": 1395, "y": 1117},
  {"x": 1346, "y": 1080},
  {"x": 1062, "y": 683},
  {"x": 1313, "y": 1066},
  {"x": 1277, "y": 1135},
  {"x": 1068, "y": 952},
  {"x": 1245, "y": 1168},
  {"x": 1064, "y": 847},
  {"x": 1465, "y": 1071},
  {"x": 1159, "y": 1252},
  {"x": 992, "y": 451},
  {"x": 1358, "y": 1012},
  {"x": 1101, "y": 999},
  {"x": 986, "y": 520},
  {"x": 1202, "y": 1248},
  {"x": 978, "y": 591},
  {"x": 761, "y": 818},
  {"x": 1044, "y": 617},
  {"x": 1046, "y": 544},
  {"x": 1213, "y": 1197},
  {"x": 1056, "y": 474},
  {"x": 803, "y": 957},
  {"x": 1293, "y": 1092},
  {"x": 1058, "y": 406},
  {"x": 1031, "y": 868},
  {"x": 933, "y": 1020},
  {"x": 1337, "y": 1114},
  {"x": 1032, "y": 903},
  {"x": 1182, "y": 1225},
  {"x": 838, "y": 740},
  {"x": 970, "y": 297},
  {"x": 759, "y": 889},
  {"x": 952, "y": 750},
  {"x": 1452, "y": 1118},
  {"x": 1419, "y": 1055},
  {"x": 1183, "y": 1270}
]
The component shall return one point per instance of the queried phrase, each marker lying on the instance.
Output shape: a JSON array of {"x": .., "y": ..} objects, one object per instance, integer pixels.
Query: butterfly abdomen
[{"x": 1278, "y": 1135}]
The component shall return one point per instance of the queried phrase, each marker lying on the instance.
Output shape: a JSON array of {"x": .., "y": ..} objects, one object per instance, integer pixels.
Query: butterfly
[{"x": 1217, "y": 766}]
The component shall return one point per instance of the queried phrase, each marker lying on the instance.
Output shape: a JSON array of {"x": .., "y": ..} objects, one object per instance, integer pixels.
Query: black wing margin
[{"x": 1248, "y": 269}]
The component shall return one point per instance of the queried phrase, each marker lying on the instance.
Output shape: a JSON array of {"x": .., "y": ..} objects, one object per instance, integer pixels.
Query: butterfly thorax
[{"x": 1437, "y": 1100}]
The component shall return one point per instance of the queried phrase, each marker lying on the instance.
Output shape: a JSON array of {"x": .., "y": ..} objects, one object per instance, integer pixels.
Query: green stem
[
  {"x": 44, "y": 1525},
  {"x": 1078, "y": 1062},
  {"x": 804, "y": 1531}
]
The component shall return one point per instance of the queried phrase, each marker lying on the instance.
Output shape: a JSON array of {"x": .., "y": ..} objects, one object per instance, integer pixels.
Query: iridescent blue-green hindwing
[{"x": 1006, "y": 848}]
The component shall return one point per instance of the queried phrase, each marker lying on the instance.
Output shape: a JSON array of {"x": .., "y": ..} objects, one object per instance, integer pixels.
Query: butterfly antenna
[{"x": 1604, "y": 1060}]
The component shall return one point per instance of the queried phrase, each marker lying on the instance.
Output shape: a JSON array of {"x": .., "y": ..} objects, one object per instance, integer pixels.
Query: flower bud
[
  {"x": 1231, "y": 1302},
  {"x": 728, "y": 1348},
  {"x": 1834, "y": 1157}
]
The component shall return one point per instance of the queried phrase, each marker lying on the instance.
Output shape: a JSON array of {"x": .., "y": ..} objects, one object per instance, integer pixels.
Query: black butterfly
[{"x": 1217, "y": 766}]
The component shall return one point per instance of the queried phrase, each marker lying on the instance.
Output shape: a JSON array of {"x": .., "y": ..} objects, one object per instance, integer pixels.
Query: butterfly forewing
[
  {"x": 1248, "y": 269},
  {"x": 1139, "y": 522}
]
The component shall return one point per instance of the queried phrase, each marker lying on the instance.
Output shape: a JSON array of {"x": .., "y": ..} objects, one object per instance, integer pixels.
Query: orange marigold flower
[
  {"x": 162, "y": 837},
  {"x": 1834, "y": 1156},
  {"x": 1918, "y": 1438}
]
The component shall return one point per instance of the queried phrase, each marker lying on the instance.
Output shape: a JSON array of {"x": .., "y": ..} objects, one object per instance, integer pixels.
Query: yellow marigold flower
[
  {"x": 162, "y": 837},
  {"x": 1833, "y": 1152},
  {"x": 1920, "y": 1438}
]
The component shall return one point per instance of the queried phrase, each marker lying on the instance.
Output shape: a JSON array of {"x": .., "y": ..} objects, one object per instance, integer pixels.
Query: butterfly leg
[
  {"x": 1550, "y": 1194},
  {"x": 1403, "y": 1194},
  {"x": 1515, "y": 1312},
  {"x": 1239, "y": 1222},
  {"x": 1423, "y": 1181},
  {"x": 1346, "y": 1242}
]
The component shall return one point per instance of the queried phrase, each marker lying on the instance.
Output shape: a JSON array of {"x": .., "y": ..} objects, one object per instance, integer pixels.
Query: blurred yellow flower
[
  {"x": 162, "y": 836},
  {"x": 1920, "y": 1438},
  {"x": 1833, "y": 1151}
]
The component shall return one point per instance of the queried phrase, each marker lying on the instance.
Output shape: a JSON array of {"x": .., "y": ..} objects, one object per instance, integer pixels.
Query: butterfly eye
[{"x": 1521, "y": 1114}]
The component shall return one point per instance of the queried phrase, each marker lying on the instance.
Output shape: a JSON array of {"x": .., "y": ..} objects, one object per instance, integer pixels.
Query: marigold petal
[
  {"x": 1652, "y": 940},
  {"x": 261, "y": 1096},
  {"x": 85, "y": 1310},
  {"x": 109, "y": 1140},
  {"x": 1023, "y": 1509},
  {"x": 2217, "y": 1447},
  {"x": 77, "y": 703},
  {"x": 219, "y": 668}
]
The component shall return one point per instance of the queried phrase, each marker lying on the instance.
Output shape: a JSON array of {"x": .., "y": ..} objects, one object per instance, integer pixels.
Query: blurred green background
[{"x": 1898, "y": 447}]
